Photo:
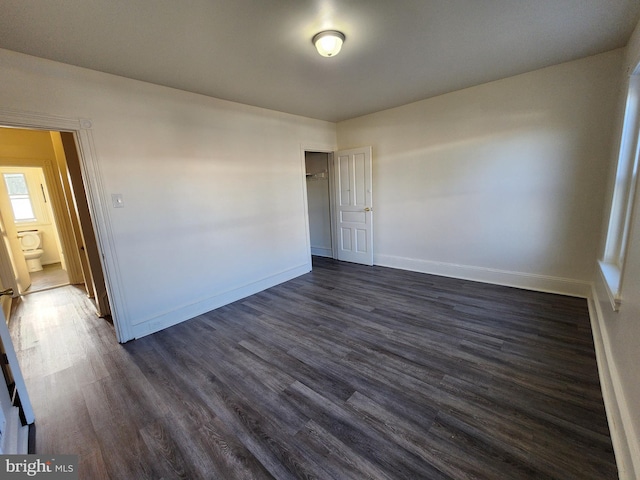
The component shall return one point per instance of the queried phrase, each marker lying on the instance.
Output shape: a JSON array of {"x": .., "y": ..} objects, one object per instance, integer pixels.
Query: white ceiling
[{"x": 259, "y": 52}]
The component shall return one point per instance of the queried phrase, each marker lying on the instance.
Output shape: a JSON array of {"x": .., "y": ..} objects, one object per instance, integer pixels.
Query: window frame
[
  {"x": 624, "y": 190},
  {"x": 21, "y": 196},
  {"x": 34, "y": 177}
]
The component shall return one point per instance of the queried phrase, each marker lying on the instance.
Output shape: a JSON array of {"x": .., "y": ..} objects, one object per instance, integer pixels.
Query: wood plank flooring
[{"x": 348, "y": 372}]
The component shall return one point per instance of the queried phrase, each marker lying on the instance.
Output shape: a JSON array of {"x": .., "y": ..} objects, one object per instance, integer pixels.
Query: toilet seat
[{"x": 29, "y": 240}]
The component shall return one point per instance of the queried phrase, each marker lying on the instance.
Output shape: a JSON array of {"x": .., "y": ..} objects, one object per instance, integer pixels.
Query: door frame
[
  {"x": 329, "y": 150},
  {"x": 333, "y": 193},
  {"x": 94, "y": 192}
]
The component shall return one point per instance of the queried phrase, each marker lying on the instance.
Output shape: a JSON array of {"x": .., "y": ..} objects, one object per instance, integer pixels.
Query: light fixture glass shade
[{"x": 329, "y": 42}]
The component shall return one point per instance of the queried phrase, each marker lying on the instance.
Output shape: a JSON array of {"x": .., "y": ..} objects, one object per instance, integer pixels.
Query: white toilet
[{"x": 30, "y": 242}]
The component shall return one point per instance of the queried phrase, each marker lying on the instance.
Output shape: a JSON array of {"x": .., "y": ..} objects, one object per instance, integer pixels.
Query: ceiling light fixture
[{"x": 328, "y": 43}]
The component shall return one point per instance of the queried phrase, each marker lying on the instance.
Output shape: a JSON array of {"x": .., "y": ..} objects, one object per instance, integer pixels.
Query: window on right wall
[{"x": 613, "y": 259}]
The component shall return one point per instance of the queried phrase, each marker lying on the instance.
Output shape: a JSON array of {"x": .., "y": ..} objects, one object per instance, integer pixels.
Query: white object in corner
[{"x": 30, "y": 242}]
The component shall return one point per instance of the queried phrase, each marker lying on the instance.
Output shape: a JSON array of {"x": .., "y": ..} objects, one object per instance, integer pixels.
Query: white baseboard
[
  {"x": 527, "y": 281},
  {"x": 321, "y": 252},
  {"x": 626, "y": 445},
  {"x": 186, "y": 312}
]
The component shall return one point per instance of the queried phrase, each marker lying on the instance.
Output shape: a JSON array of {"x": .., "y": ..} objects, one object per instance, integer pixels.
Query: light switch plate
[{"x": 117, "y": 200}]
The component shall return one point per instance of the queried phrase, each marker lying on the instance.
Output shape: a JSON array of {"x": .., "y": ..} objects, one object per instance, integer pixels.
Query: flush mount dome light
[{"x": 328, "y": 43}]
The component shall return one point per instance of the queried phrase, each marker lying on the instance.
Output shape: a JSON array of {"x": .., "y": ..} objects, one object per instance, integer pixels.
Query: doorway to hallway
[{"x": 55, "y": 193}]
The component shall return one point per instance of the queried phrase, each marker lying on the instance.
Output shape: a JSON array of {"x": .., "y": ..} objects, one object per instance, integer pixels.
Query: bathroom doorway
[
  {"x": 25, "y": 200},
  {"x": 56, "y": 155}
]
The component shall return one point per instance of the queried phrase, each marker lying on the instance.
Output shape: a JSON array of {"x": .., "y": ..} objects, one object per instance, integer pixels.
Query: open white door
[
  {"x": 354, "y": 207},
  {"x": 14, "y": 271}
]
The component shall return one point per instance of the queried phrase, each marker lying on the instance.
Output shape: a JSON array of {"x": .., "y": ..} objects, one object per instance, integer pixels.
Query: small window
[{"x": 19, "y": 196}]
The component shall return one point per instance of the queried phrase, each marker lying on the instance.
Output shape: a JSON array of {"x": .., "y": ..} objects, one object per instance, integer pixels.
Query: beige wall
[
  {"x": 213, "y": 190},
  {"x": 503, "y": 182}
]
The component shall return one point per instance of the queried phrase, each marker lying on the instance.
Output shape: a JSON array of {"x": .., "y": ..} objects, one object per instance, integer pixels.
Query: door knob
[
  {"x": 8, "y": 291},
  {"x": 368, "y": 209}
]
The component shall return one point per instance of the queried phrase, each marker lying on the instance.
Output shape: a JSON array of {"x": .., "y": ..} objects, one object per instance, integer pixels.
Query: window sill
[{"x": 611, "y": 275}]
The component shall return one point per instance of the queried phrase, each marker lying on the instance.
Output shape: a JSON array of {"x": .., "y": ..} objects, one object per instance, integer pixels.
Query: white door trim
[{"x": 81, "y": 128}]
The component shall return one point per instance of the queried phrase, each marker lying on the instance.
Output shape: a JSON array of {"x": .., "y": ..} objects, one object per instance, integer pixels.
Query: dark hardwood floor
[{"x": 348, "y": 372}]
